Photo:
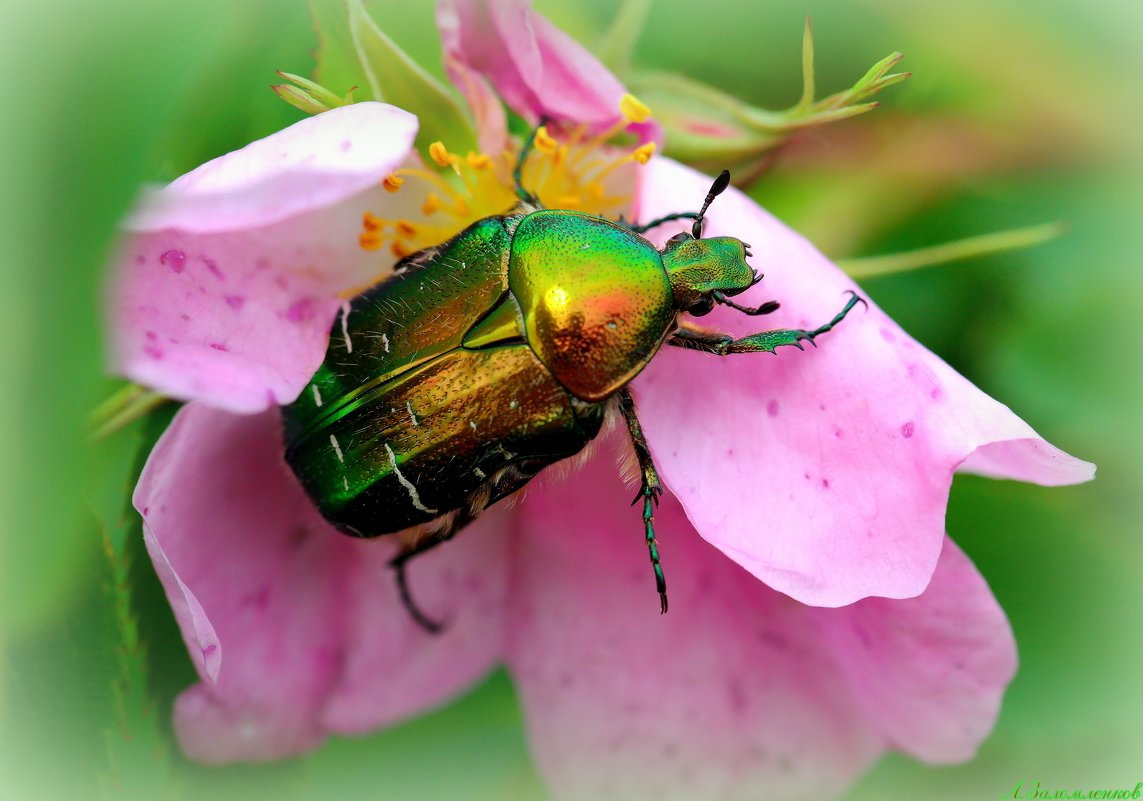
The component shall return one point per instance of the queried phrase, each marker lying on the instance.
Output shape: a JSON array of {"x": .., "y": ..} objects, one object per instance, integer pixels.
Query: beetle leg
[
  {"x": 690, "y": 336},
  {"x": 650, "y": 489},
  {"x": 518, "y": 173},
  {"x": 399, "y": 562}
]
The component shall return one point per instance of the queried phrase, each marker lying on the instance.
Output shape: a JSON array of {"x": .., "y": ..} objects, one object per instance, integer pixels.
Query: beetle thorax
[{"x": 596, "y": 300}]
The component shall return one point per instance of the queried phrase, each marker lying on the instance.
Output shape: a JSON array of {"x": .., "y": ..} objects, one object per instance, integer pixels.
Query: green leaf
[
  {"x": 337, "y": 65},
  {"x": 618, "y": 44},
  {"x": 395, "y": 78}
]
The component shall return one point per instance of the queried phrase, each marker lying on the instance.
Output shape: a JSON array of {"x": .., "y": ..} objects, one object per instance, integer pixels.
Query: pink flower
[{"x": 824, "y": 474}]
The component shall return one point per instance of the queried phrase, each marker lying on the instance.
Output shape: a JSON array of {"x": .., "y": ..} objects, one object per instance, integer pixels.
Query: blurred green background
[{"x": 1019, "y": 112}]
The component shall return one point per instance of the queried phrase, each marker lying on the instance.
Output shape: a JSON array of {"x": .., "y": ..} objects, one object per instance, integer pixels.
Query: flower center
[{"x": 579, "y": 173}]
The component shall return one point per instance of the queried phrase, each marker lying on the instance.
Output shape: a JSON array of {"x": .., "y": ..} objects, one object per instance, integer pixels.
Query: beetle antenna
[{"x": 716, "y": 189}]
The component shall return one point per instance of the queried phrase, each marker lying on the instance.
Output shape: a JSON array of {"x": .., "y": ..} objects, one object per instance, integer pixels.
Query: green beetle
[{"x": 481, "y": 361}]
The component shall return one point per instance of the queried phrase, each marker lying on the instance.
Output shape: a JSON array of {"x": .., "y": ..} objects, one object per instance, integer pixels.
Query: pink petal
[
  {"x": 538, "y": 69},
  {"x": 738, "y": 692},
  {"x": 297, "y": 630},
  {"x": 929, "y": 672},
  {"x": 487, "y": 110},
  {"x": 825, "y": 473},
  {"x": 226, "y": 289},
  {"x": 315, "y": 163}
]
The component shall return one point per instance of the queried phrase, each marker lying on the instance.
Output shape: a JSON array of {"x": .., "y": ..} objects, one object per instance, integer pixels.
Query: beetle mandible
[{"x": 486, "y": 358}]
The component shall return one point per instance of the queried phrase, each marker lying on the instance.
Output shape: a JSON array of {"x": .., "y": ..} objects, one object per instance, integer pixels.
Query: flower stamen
[{"x": 565, "y": 173}]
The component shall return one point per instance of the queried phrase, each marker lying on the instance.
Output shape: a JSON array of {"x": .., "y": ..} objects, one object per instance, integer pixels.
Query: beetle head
[{"x": 702, "y": 270}]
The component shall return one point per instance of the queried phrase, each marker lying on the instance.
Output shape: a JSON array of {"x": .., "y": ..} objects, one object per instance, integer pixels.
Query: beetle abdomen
[
  {"x": 416, "y": 446},
  {"x": 595, "y": 297}
]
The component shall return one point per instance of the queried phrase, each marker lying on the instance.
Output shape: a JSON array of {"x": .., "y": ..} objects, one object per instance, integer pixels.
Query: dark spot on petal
[
  {"x": 235, "y": 302},
  {"x": 825, "y": 483},
  {"x": 888, "y": 335},
  {"x": 807, "y": 476},
  {"x": 212, "y": 266},
  {"x": 299, "y": 535},
  {"x": 907, "y": 429},
  {"x": 140, "y": 259},
  {"x": 219, "y": 346},
  {"x": 936, "y": 394},
  {"x": 773, "y": 639},
  {"x": 154, "y": 351},
  {"x": 737, "y": 695},
  {"x": 146, "y": 509},
  {"x": 151, "y": 335},
  {"x": 300, "y": 311},
  {"x": 175, "y": 259},
  {"x": 837, "y": 432},
  {"x": 346, "y": 145},
  {"x": 210, "y": 649},
  {"x": 730, "y": 452},
  {"x": 772, "y": 408},
  {"x": 259, "y": 600}
]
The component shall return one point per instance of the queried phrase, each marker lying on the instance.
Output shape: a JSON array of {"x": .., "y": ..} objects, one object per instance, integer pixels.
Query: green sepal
[
  {"x": 309, "y": 96},
  {"x": 709, "y": 128},
  {"x": 968, "y": 248},
  {"x": 395, "y": 78},
  {"x": 617, "y": 46}
]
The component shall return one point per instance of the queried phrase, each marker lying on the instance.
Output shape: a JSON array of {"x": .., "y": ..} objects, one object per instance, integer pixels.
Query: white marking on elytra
[
  {"x": 317, "y": 394},
  {"x": 463, "y": 266},
  {"x": 412, "y": 415},
  {"x": 472, "y": 425},
  {"x": 385, "y": 342},
  {"x": 586, "y": 246},
  {"x": 414, "y": 496},
  {"x": 345, "y": 483},
  {"x": 511, "y": 405},
  {"x": 336, "y": 448},
  {"x": 479, "y": 473},
  {"x": 345, "y": 327}
]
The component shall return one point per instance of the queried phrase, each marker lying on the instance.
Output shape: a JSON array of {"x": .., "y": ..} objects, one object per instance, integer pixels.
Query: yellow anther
[
  {"x": 544, "y": 142},
  {"x": 439, "y": 153},
  {"x": 405, "y": 229},
  {"x": 370, "y": 240},
  {"x": 634, "y": 109},
  {"x": 462, "y": 207},
  {"x": 372, "y": 223},
  {"x": 561, "y": 156},
  {"x": 478, "y": 161},
  {"x": 392, "y": 183},
  {"x": 643, "y": 153},
  {"x": 399, "y": 250},
  {"x": 432, "y": 203}
]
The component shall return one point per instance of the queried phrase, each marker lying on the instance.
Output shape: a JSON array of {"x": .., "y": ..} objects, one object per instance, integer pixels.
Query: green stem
[
  {"x": 1015, "y": 239},
  {"x": 123, "y": 408}
]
